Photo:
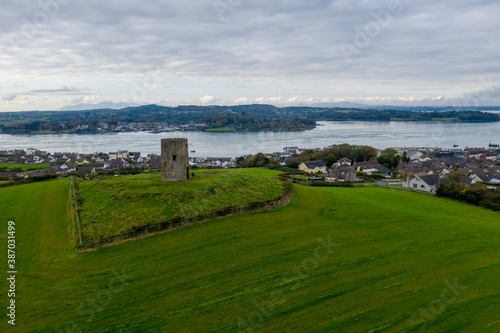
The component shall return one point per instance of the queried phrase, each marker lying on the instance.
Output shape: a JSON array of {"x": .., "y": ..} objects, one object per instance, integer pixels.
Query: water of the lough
[{"x": 232, "y": 144}]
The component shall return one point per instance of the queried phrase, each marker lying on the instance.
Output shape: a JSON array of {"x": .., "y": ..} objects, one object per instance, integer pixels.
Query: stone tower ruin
[{"x": 174, "y": 159}]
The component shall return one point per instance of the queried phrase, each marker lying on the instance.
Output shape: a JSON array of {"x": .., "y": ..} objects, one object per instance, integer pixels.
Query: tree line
[
  {"x": 39, "y": 121},
  {"x": 476, "y": 194}
]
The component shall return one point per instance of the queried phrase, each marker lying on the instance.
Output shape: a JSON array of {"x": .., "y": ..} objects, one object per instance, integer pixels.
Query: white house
[
  {"x": 428, "y": 183},
  {"x": 343, "y": 162},
  {"x": 414, "y": 155}
]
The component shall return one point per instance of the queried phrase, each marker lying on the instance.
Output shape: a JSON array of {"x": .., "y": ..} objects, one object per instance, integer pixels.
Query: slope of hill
[
  {"x": 110, "y": 207},
  {"x": 333, "y": 260}
]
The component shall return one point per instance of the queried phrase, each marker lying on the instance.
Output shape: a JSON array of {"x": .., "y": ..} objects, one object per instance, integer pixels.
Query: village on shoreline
[{"x": 419, "y": 169}]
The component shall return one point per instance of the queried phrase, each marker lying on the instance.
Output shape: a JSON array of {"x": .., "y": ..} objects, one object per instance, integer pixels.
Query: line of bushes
[
  {"x": 74, "y": 227},
  {"x": 21, "y": 180},
  {"x": 314, "y": 182},
  {"x": 373, "y": 176},
  {"x": 476, "y": 194}
]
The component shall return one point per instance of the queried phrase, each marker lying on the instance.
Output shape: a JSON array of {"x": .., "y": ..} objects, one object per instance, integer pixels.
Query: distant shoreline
[
  {"x": 242, "y": 118},
  {"x": 232, "y": 130}
]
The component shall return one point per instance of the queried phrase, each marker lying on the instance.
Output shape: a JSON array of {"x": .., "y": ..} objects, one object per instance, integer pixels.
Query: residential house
[
  {"x": 67, "y": 167},
  {"x": 90, "y": 168},
  {"x": 424, "y": 158},
  {"x": 373, "y": 167},
  {"x": 138, "y": 159},
  {"x": 343, "y": 162},
  {"x": 81, "y": 160},
  {"x": 224, "y": 162},
  {"x": 122, "y": 154},
  {"x": 217, "y": 160},
  {"x": 154, "y": 162},
  {"x": 197, "y": 159},
  {"x": 313, "y": 167},
  {"x": 347, "y": 174},
  {"x": 293, "y": 150},
  {"x": 475, "y": 153},
  {"x": 414, "y": 155},
  {"x": 115, "y": 164},
  {"x": 440, "y": 171},
  {"x": 412, "y": 169},
  {"x": 479, "y": 174},
  {"x": 427, "y": 183},
  {"x": 17, "y": 152}
]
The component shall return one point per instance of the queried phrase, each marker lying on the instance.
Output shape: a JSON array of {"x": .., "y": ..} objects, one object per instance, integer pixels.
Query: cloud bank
[{"x": 280, "y": 52}]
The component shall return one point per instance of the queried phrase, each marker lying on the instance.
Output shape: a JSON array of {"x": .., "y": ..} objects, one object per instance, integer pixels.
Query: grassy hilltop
[
  {"x": 394, "y": 258},
  {"x": 116, "y": 205}
]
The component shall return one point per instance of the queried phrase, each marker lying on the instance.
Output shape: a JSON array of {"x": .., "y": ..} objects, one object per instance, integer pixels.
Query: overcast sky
[{"x": 61, "y": 52}]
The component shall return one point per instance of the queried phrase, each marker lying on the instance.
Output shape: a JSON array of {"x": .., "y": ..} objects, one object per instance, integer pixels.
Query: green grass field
[
  {"x": 24, "y": 166},
  {"x": 398, "y": 253},
  {"x": 221, "y": 129},
  {"x": 445, "y": 119},
  {"x": 118, "y": 204}
]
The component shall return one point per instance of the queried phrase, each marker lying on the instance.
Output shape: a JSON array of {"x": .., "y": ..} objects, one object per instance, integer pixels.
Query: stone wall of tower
[{"x": 174, "y": 159}]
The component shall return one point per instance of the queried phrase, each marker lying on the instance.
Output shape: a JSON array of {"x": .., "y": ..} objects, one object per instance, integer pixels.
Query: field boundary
[
  {"x": 175, "y": 223},
  {"x": 73, "y": 202}
]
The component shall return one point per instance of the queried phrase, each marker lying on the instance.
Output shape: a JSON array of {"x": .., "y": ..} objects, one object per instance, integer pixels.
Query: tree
[
  {"x": 366, "y": 153},
  {"x": 293, "y": 163},
  {"x": 258, "y": 160},
  {"x": 451, "y": 186},
  {"x": 389, "y": 158},
  {"x": 240, "y": 160},
  {"x": 405, "y": 157}
]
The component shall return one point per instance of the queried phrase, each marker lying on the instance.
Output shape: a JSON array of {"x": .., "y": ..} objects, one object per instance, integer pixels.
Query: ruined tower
[{"x": 174, "y": 159}]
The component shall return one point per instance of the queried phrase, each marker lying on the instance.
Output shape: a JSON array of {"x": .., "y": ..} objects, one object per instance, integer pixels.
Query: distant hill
[
  {"x": 237, "y": 117},
  {"x": 414, "y": 108},
  {"x": 102, "y": 105}
]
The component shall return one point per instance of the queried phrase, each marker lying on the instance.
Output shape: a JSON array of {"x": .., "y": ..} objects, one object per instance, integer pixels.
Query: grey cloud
[
  {"x": 428, "y": 45},
  {"x": 62, "y": 90},
  {"x": 9, "y": 97}
]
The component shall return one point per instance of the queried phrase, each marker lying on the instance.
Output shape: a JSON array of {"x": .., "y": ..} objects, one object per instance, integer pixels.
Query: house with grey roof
[
  {"x": 347, "y": 174},
  {"x": 428, "y": 183},
  {"x": 313, "y": 167},
  {"x": 373, "y": 167}
]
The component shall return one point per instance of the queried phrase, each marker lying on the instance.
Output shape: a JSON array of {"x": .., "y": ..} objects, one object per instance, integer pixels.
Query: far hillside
[{"x": 255, "y": 117}]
